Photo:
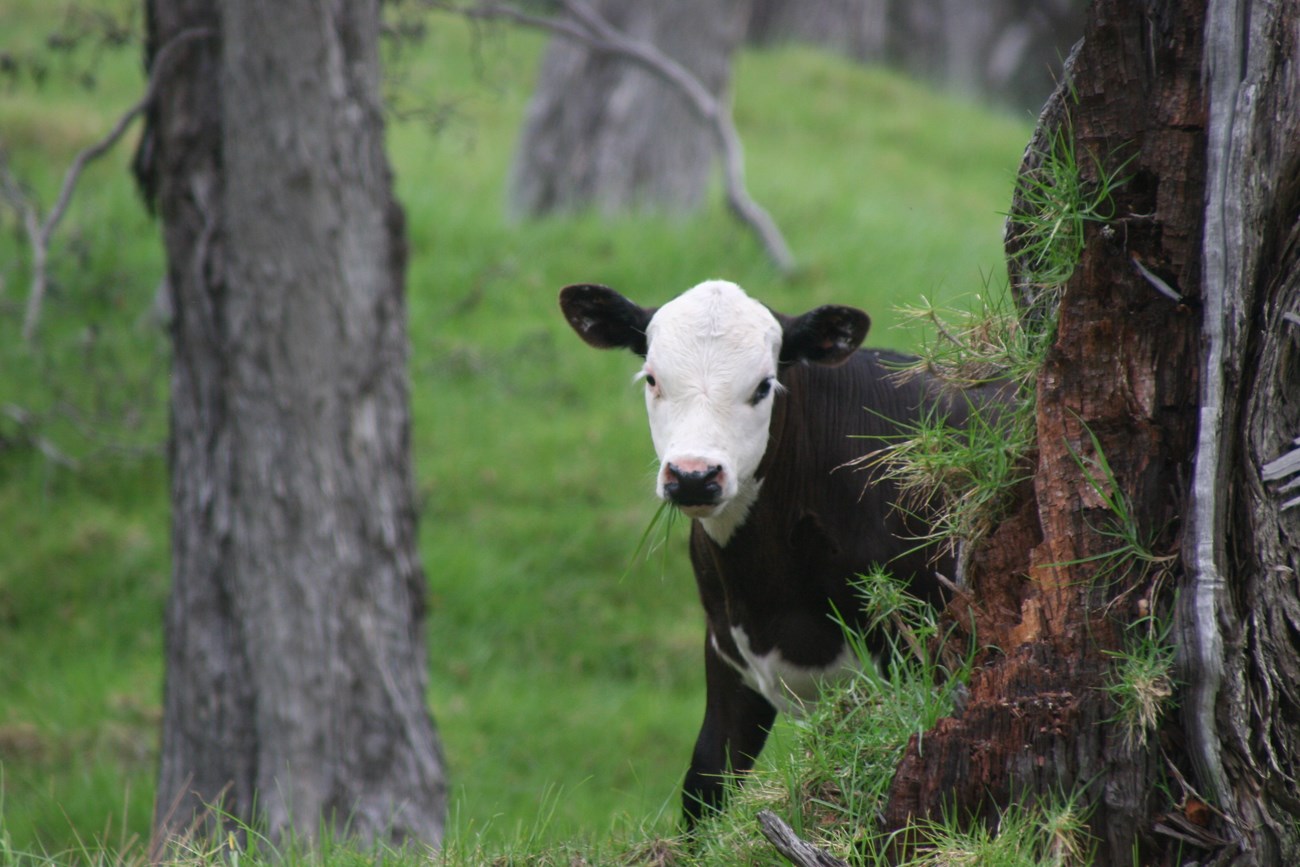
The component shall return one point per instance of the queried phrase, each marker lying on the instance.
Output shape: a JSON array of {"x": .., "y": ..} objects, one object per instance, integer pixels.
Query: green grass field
[{"x": 566, "y": 681}]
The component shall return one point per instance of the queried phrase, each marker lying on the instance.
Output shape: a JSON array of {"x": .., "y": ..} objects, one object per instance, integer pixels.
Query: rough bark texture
[
  {"x": 1239, "y": 625},
  {"x": 1122, "y": 370},
  {"x": 604, "y": 133},
  {"x": 295, "y": 686},
  {"x": 1195, "y": 401}
]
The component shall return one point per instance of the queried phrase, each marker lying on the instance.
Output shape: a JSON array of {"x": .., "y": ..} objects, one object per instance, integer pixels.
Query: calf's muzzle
[{"x": 689, "y": 485}]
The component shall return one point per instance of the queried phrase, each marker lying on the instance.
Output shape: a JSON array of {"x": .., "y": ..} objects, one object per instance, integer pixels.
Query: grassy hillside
[{"x": 565, "y": 681}]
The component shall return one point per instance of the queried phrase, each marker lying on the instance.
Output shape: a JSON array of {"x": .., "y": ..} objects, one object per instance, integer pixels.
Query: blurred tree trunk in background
[
  {"x": 1006, "y": 50},
  {"x": 1171, "y": 394},
  {"x": 295, "y": 683},
  {"x": 854, "y": 28},
  {"x": 602, "y": 132}
]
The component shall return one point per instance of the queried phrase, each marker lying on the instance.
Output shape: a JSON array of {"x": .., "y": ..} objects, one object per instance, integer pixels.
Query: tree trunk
[
  {"x": 295, "y": 686},
  {"x": 1176, "y": 359},
  {"x": 602, "y": 132},
  {"x": 1239, "y": 605},
  {"x": 854, "y": 28},
  {"x": 1118, "y": 386}
]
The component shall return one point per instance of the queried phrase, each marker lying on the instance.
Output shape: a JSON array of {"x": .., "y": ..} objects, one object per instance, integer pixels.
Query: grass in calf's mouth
[{"x": 655, "y": 537}]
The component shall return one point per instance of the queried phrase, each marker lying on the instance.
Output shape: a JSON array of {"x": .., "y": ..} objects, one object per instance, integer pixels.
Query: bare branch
[
  {"x": 28, "y": 429},
  {"x": 583, "y": 24},
  {"x": 794, "y": 848},
  {"x": 41, "y": 235},
  {"x": 11, "y": 190}
]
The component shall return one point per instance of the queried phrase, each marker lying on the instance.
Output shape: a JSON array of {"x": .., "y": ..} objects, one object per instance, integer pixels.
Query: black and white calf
[{"x": 755, "y": 417}]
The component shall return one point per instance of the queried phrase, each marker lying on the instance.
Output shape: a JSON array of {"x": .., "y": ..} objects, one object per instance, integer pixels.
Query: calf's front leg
[{"x": 736, "y": 723}]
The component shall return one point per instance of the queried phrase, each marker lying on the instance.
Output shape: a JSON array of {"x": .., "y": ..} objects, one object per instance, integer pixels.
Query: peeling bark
[
  {"x": 1038, "y": 723},
  {"x": 1178, "y": 349}
]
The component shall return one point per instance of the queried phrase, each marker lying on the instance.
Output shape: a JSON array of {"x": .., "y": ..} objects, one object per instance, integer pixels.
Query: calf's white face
[
  {"x": 712, "y": 358},
  {"x": 710, "y": 380}
]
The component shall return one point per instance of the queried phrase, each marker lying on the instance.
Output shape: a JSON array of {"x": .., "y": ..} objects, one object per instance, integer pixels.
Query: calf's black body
[
  {"x": 818, "y": 521},
  {"x": 815, "y": 515}
]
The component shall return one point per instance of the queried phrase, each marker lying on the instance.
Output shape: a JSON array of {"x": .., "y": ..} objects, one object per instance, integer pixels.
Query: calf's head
[{"x": 713, "y": 358}]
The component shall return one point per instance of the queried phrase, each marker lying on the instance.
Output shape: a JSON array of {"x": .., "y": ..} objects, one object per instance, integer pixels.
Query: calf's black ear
[
  {"x": 604, "y": 318},
  {"x": 826, "y": 335}
]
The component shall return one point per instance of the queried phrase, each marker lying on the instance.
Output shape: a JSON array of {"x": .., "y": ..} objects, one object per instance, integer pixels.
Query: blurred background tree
[
  {"x": 608, "y": 134},
  {"x": 1007, "y": 51},
  {"x": 602, "y": 132}
]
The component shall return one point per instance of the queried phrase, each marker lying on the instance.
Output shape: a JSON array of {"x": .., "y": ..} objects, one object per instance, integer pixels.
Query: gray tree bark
[
  {"x": 604, "y": 133},
  {"x": 296, "y": 662},
  {"x": 1239, "y": 611},
  {"x": 854, "y": 28}
]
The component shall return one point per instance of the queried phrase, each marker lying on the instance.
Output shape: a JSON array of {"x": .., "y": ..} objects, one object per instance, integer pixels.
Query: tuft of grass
[
  {"x": 830, "y": 771},
  {"x": 968, "y": 474},
  {"x": 1056, "y": 202},
  {"x": 656, "y": 537},
  {"x": 988, "y": 358},
  {"x": 906, "y": 620},
  {"x": 1141, "y": 684},
  {"x": 1045, "y": 835},
  {"x": 1132, "y": 559}
]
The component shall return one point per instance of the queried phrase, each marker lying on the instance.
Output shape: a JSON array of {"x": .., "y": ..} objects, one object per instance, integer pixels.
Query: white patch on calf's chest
[
  {"x": 721, "y": 526},
  {"x": 788, "y": 687}
]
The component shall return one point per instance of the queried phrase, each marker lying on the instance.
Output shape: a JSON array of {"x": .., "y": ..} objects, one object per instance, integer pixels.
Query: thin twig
[
  {"x": 12, "y": 191},
  {"x": 1156, "y": 281},
  {"x": 585, "y": 25},
  {"x": 27, "y": 428},
  {"x": 40, "y": 236}
]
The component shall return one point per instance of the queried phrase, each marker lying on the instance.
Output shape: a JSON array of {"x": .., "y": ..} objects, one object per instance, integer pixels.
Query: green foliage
[
  {"x": 552, "y": 680},
  {"x": 1132, "y": 559},
  {"x": 1056, "y": 201},
  {"x": 1046, "y": 835},
  {"x": 966, "y": 475}
]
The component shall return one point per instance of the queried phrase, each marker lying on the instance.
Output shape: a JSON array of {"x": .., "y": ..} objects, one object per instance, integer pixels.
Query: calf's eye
[
  {"x": 650, "y": 380},
  {"x": 763, "y": 390}
]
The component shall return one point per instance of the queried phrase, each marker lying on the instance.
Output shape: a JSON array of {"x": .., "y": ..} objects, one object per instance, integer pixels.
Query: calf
[{"x": 755, "y": 417}]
